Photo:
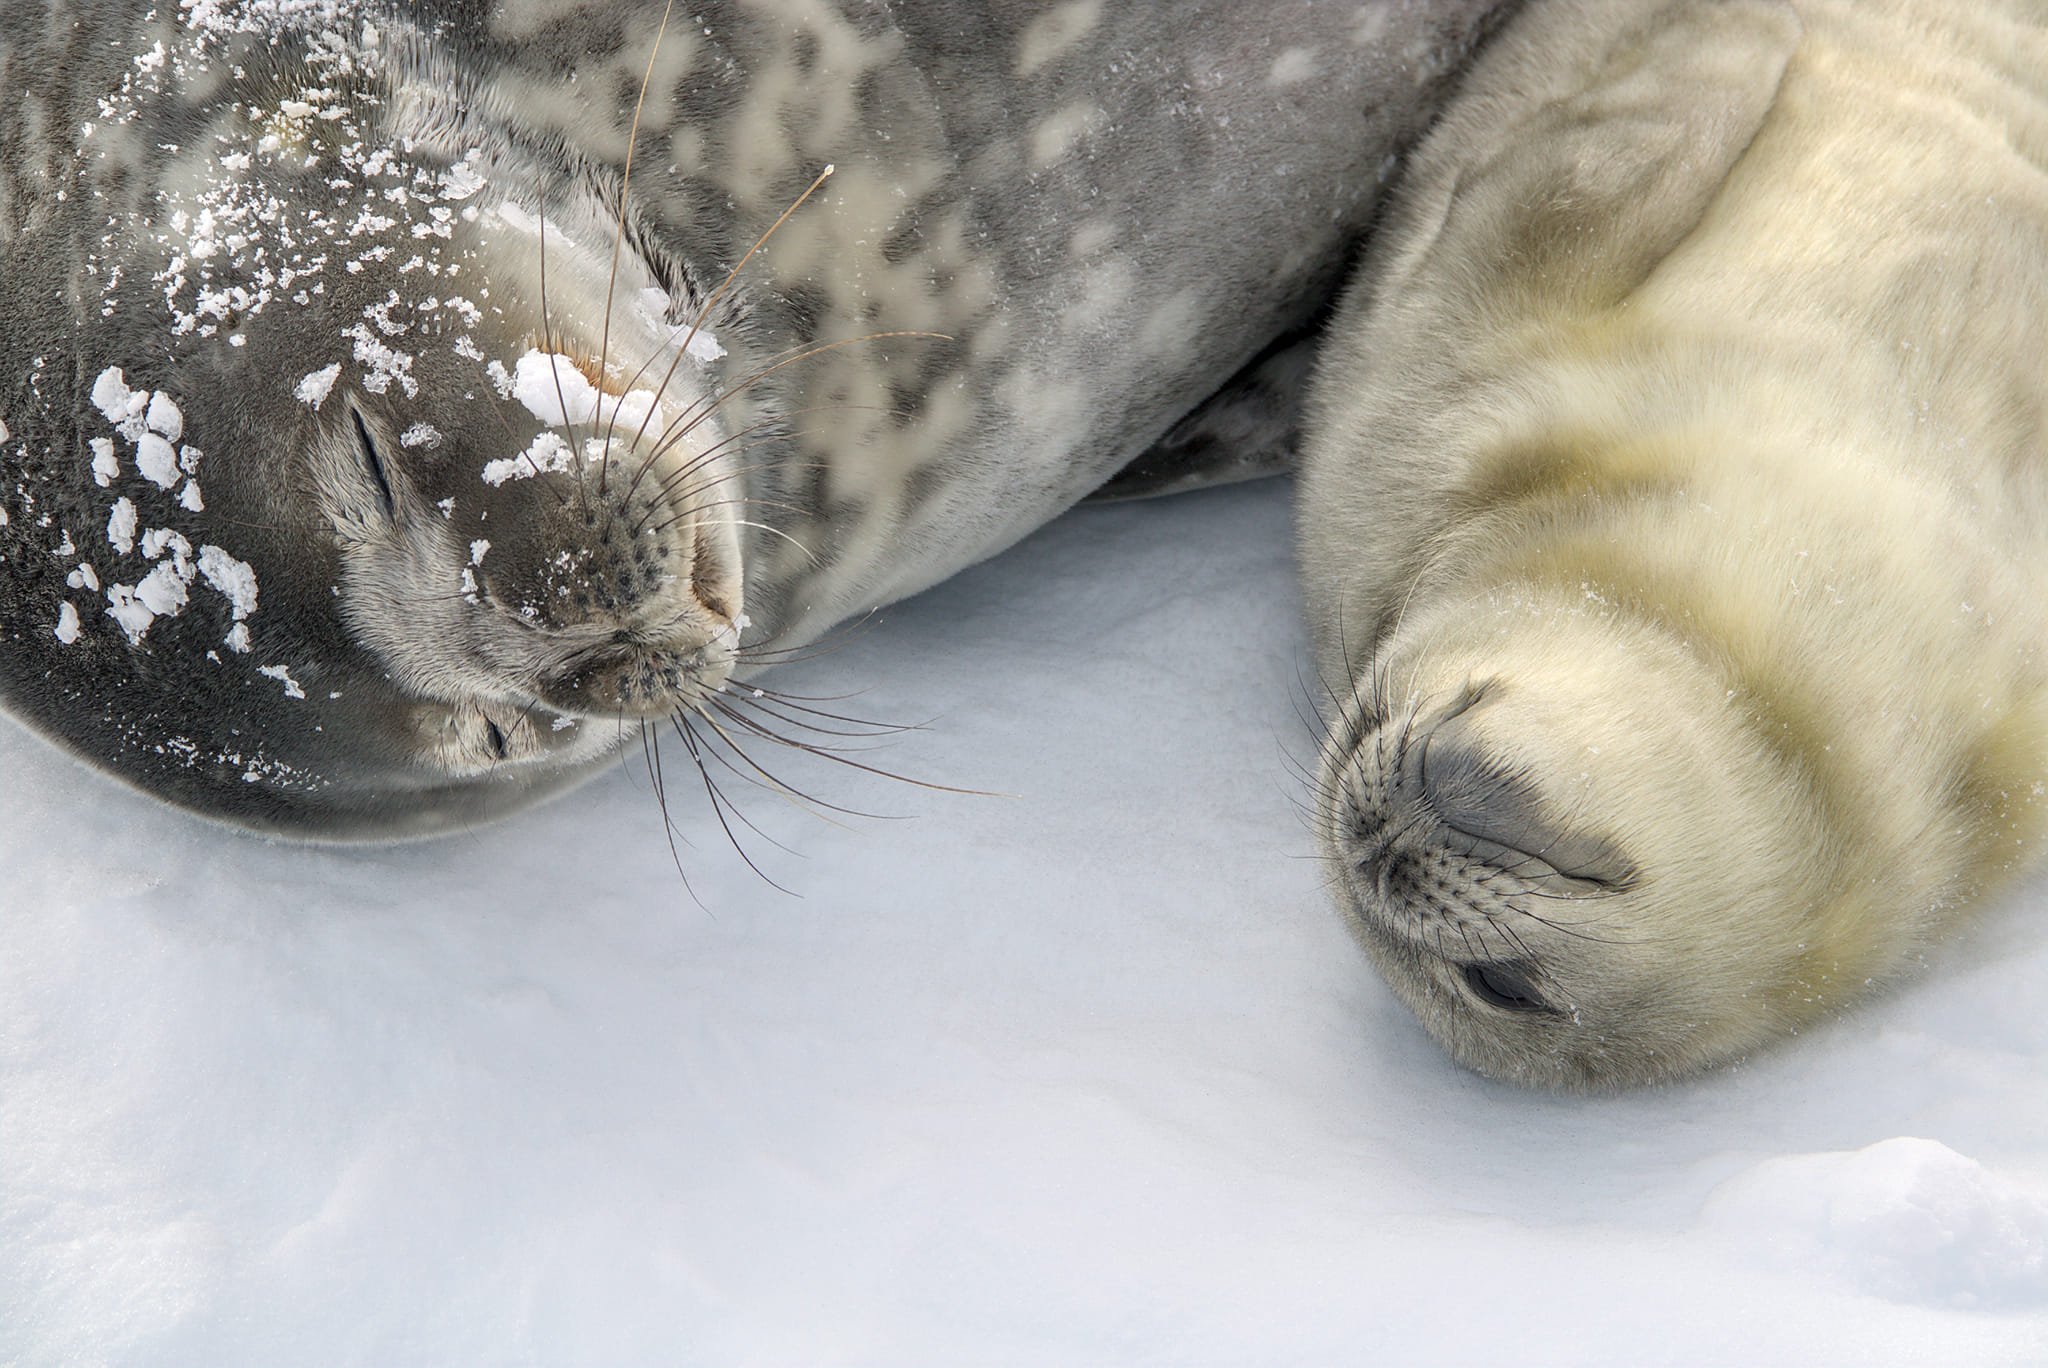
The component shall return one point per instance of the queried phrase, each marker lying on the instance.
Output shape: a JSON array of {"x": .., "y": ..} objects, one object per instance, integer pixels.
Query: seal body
[
  {"x": 1673, "y": 525},
  {"x": 404, "y": 404}
]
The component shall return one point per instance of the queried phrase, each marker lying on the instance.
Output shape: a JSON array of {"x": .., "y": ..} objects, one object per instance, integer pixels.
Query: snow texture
[
  {"x": 1090, "y": 1074},
  {"x": 314, "y": 387}
]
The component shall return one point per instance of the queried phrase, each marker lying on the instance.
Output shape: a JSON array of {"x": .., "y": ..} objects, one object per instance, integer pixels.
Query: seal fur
[
  {"x": 1673, "y": 526},
  {"x": 292, "y": 539}
]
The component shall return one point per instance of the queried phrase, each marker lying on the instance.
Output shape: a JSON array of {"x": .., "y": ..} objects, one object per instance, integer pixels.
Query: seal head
[
  {"x": 1679, "y": 573},
  {"x": 415, "y": 596}
]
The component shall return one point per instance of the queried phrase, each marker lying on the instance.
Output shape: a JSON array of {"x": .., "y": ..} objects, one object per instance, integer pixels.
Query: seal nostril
[
  {"x": 1500, "y": 817},
  {"x": 497, "y": 738}
]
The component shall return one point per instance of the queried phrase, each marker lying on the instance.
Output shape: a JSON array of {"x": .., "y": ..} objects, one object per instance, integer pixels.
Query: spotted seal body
[
  {"x": 384, "y": 441},
  {"x": 1675, "y": 526}
]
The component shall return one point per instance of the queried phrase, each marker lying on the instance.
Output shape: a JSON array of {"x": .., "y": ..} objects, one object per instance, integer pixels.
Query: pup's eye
[
  {"x": 368, "y": 449},
  {"x": 1505, "y": 987}
]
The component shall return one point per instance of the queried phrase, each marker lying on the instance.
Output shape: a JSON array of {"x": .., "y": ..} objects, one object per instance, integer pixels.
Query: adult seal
[
  {"x": 398, "y": 414},
  {"x": 1675, "y": 524}
]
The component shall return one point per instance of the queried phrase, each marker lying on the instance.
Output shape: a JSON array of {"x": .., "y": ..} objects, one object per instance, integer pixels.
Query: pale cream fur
[{"x": 1684, "y": 436}]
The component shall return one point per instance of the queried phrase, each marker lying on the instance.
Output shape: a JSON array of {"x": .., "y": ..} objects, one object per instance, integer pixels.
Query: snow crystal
[
  {"x": 462, "y": 180},
  {"x": 125, "y": 608},
  {"x": 165, "y": 417},
  {"x": 105, "y": 465},
  {"x": 477, "y": 549},
  {"x": 313, "y": 388},
  {"x": 67, "y": 623},
  {"x": 558, "y": 393},
  {"x": 159, "y": 540},
  {"x": 110, "y": 394},
  {"x": 162, "y": 591},
  {"x": 282, "y": 674},
  {"x": 546, "y": 454},
  {"x": 381, "y": 362},
  {"x": 235, "y": 579},
  {"x": 698, "y": 344},
  {"x": 84, "y": 577},
  {"x": 121, "y": 526},
  {"x": 121, "y": 406},
  {"x": 157, "y": 460},
  {"x": 188, "y": 497},
  {"x": 237, "y": 639},
  {"x": 553, "y": 389},
  {"x": 420, "y": 434}
]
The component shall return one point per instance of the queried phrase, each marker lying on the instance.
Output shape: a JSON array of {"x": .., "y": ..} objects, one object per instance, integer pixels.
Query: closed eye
[
  {"x": 367, "y": 447},
  {"x": 1504, "y": 986}
]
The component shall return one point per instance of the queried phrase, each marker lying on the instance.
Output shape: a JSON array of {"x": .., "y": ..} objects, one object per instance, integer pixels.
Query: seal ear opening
[{"x": 1580, "y": 156}]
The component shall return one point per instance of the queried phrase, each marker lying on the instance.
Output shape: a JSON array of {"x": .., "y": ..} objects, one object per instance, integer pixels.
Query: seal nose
[
  {"x": 638, "y": 678},
  {"x": 1493, "y": 812}
]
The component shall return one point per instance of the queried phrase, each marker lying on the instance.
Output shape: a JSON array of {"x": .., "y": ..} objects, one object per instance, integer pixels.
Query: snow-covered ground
[{"x": 1085, "y": 1075}]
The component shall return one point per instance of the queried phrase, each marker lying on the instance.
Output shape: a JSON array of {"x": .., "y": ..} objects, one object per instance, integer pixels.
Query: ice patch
[
  {"x": 121, "y": 526},
  {"x": 1908, "y": 1220},
  {"x": 282, "y": 673},
  {"x": 477, "y": 549},
  {"x": 105, "y": 464},
  {"x": 165, "y": 417},
  {"x": 462, "y": 180},
  {"x": 547, "y": 454},
  {"x": 125, "y": 608},
  {"x": 314, "y": 388},
  {"x": 66, "y": 629},
  {"x": 119, "y": 405},
  {"x": 157, "y": 459},
  {"x": 236, "y": 581},
  {"x": 555, "y": 391},
  {"x": 699, "y": 345},
  {"x": 162, "y": 591}
]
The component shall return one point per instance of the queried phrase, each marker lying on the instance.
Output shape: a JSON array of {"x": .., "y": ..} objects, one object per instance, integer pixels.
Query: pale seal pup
[
  {"x": 1673, "y": 526},
  {"x": 375, "y": 460}
]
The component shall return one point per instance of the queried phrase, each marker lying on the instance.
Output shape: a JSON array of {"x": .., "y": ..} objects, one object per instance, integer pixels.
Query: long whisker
[
  {"x": 547, "y": 333},
  {"x": 724, "y": 287},
  {"x": 719, "y": 803},
  {"x": 618, "y": 239}
]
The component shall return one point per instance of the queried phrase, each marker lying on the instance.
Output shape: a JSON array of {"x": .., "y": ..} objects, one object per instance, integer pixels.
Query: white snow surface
[{"x": 1089, "y": 1074}]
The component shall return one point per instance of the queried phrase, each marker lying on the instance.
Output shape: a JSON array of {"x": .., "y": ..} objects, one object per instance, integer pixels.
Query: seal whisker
[
  {"x": 724, "y": 286},
  {"x": 752, "y": 697},
  {"x": 776, "y": 425},
  {"x": 554, "y": 356},
  {"x": 754, "y": 728},
  {"x": 690, "y": 417},
  {"x": 719, "y": 804},
  {"x": 651, "y": 751},
  {"x": 618, "y": 241},
  {"x": 762, "y": 777}
]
